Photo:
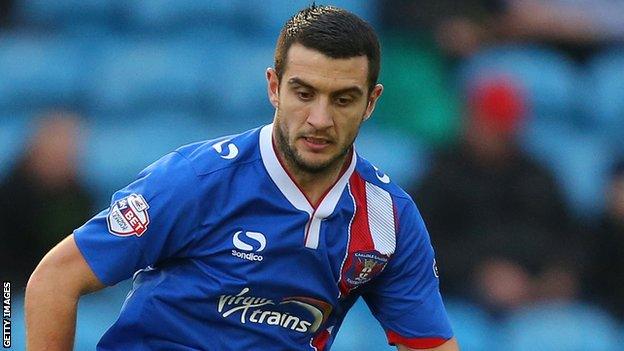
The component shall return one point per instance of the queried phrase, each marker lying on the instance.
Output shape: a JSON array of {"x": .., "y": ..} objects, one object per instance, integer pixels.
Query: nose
[{"x": 320, "y": 116}]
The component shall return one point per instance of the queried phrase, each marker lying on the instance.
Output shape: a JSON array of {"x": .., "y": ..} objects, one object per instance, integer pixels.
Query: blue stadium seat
[
  {"x": 580, "y": 170},
  {"x": 605, "y": 88},
  {"x": 267, "y": 17},
  {"x": 167, "y": 16},
  {"x": 561, "y": 327},
  {"x": 65, "y": 14},
  {"x": 474, "y": 329},
  {"x": 14, "y": 131},
  {"x": 404, "y": 159},
  {"x": 119, "y": 147},
  {"x": 251, "y": 17},
  {"x": 237, "y": 76},
  {"x": 604, "y": 96},
  {"x": 38, "y": 71},
  {"x": 132, "y": 75},
  {"x": 97, "y": 312},
  {"x": 361, "y": 331},
  {"x": 548, "y": 79}
]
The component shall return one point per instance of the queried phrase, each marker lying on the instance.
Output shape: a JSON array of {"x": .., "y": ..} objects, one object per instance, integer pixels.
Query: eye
[
  {"x": 304, "y": 95},
  {"x": 343, "y": 101}
]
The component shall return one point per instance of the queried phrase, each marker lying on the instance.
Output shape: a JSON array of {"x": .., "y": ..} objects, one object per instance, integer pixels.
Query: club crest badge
[
  {"x": 364, "y": 267},
  {"x": 128, "y": 216}
]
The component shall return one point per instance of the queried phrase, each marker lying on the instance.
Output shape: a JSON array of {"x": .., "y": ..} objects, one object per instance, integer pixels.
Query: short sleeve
[
  {"x": 406, "y": 298},
  {"x": 152, "y": 219}
]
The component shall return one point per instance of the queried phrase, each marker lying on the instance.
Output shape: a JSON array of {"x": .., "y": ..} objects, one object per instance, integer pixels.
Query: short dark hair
[{"x": 332, "y": 31}]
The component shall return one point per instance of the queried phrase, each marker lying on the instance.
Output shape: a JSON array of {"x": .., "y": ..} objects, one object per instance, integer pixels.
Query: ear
[
  {"x": 372, "y": 100},
  {"x": 272, "y": 86}
]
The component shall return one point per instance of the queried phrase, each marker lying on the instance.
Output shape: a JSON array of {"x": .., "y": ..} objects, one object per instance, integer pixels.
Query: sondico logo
[
  {"x": 287, "y": 314},
  {"x": 230, "y": 153},
  {"x": 381, "y": 176},
  {"x": 241, "y": 242}
]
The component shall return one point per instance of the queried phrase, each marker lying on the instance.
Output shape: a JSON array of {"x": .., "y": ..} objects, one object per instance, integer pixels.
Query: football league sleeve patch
[
  {"x": 152, "y": 219},
  {"x": 406, "y": 298}
]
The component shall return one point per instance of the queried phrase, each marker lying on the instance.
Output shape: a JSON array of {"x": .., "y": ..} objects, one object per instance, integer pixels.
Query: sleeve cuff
[{"x": 414, "y": 343}]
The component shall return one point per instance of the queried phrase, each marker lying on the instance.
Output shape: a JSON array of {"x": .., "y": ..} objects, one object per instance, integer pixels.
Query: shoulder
[
  {"x": 376, "y": 177},
  {"x": 380, "y": 185},
  {"x": 225, "y": 152},
  {"x": 181, "y": 169}
]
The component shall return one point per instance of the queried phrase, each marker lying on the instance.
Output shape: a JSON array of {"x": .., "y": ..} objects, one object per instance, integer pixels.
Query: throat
[
  {"x": 314, "y": 189},
  {"x": 315, "y": 185}
]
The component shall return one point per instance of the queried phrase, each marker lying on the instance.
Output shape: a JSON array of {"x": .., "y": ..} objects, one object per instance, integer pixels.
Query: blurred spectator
[
  {"x": 605, "y": 276},
  {"x": 417, "y": 97},
  {"x": 459, "y": 26},
  {"x": 578, "y": 27},
  {"x": 496, "y": 217},
  {"x": 6, "y": 13},
  {"x": 41, "y": 200}
]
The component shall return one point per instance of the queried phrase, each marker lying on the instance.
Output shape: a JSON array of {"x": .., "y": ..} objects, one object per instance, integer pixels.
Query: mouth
[
  {"x": 316, "y": 144},
  {"x": 316, "y": 141}
]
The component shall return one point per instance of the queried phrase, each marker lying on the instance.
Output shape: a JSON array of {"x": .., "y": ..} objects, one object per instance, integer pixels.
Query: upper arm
[
  {"x": 405, "y": 298},
  {"x": 450, "y": 345},
  {"x": 65, "y": 266}
]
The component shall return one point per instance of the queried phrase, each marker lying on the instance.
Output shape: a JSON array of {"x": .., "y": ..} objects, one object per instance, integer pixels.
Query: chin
[
  {"x": 313, "y": 167},
  {"x": 316, "y": 164}
]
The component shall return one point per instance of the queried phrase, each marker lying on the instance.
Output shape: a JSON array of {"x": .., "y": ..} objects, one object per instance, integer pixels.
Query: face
[{"x": 320, "y": 104}]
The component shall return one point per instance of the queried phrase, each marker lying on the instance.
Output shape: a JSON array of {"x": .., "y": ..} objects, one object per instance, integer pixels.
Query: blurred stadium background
[{"x": 136, "y": 79}]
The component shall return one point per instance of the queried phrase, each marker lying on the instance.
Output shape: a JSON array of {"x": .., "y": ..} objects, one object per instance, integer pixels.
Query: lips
[
  {"x": 315, "y": 144},
  {"x": 318, "y": 141}
]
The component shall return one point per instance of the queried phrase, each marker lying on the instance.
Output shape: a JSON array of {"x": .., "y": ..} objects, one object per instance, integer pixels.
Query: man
[
  {"x": 42, "y": 196},
  {"x": 604, "y": 276},
  {"x": 263, "y": 240},
  {"x": 510, "y": 226}
]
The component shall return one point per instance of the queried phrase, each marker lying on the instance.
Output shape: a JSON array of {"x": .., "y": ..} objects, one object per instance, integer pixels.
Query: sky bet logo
[
  {"x": 243, "y": 242},
  {"x": 128, "y": 216}
]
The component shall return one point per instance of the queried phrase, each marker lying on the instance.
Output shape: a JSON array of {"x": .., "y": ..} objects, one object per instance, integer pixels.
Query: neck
[{"x": 314, "y": 185}]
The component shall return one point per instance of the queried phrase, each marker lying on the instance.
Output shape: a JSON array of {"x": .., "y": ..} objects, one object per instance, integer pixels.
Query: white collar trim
[{"x": 292, "y": 192}]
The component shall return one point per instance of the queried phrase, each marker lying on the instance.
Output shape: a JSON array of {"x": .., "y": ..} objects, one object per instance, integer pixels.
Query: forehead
[{"x": 324, "y": 72}]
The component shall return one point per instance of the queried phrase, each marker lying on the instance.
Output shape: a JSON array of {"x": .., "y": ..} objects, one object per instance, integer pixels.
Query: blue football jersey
[{"x": 227, "y": 253}]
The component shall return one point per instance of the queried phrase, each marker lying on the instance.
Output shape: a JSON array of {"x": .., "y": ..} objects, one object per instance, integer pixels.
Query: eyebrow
[{"x": 352, "y": 89}]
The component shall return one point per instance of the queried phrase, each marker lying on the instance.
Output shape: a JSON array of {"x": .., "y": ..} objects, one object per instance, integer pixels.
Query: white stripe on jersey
[{"x": 381, "y": 219}]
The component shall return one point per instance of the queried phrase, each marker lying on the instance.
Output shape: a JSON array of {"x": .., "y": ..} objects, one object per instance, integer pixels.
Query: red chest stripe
[
  {"x": 361, "y": 239},
  {"x": 363, "y": 260}
]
